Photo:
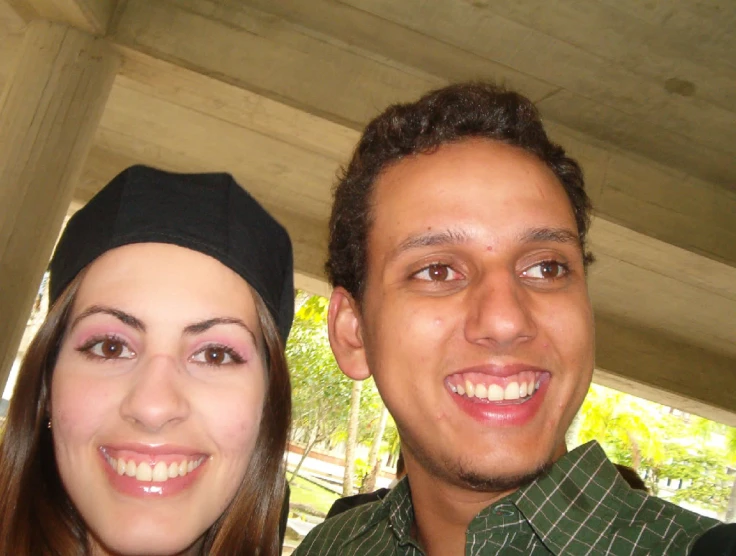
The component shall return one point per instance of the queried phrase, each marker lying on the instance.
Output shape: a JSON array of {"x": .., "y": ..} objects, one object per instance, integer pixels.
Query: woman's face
[{"x": 156, "y": 397}]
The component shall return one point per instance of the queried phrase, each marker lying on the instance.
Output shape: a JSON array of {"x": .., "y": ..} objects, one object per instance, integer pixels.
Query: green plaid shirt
[{"x": 582, "y": 506}]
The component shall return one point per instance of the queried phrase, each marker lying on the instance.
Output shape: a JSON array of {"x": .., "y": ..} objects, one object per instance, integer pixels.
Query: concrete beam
[
  {"x": 92, "y": 16},
  {"x": 610, "y": 99},
  {"x": 48, "y": 117},
  {"x": 300, "y": 69},
  {"x": 652, "y": 199},
  {"x": 309, "y": 240},
  {"x": 653, "y": 365},
  {"x": 662, "y": 287},
  {"x": 250, "y": 49}
]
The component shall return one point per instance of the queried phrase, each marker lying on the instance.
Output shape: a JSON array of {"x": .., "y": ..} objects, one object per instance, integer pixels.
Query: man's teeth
[
  {"x": 496, "y": 393},
  {"x": 159, "y": 473}
]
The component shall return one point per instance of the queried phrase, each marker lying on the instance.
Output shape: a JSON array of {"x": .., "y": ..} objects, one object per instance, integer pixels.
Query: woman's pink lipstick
[{"x": 146, "y": 471}]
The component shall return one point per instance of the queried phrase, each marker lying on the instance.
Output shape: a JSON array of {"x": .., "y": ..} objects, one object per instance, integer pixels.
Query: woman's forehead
[{"x": 152, "y": 278}]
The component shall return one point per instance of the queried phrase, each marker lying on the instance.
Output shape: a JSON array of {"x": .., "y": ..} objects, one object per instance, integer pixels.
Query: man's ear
[{"x": 346, "y": 335}]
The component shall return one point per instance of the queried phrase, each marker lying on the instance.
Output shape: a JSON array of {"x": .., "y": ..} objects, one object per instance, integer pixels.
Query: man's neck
[{"x": 442, "y": 512}]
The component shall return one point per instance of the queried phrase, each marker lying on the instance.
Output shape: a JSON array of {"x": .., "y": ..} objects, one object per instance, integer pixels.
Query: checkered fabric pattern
[{"x": 581, "y": 506}]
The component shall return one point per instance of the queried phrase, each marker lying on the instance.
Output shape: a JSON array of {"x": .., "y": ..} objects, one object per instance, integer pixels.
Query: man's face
[{"x": 475, "y": 322}]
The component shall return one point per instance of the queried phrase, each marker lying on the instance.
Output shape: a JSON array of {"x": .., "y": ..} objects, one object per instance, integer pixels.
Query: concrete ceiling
[{"x": 643, "y": 93}]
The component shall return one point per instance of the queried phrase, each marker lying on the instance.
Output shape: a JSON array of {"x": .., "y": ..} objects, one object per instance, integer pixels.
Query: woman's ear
[{"x": 346, "y": 335}]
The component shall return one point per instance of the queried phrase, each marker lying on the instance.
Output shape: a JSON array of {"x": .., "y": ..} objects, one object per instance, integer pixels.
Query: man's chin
[
  {"x": 488, "y": 482},
  {"x": 467, "y": 474}
]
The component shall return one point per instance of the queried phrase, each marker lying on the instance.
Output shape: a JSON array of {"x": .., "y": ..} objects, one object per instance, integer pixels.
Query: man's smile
[{"x": 494, "y": 385}]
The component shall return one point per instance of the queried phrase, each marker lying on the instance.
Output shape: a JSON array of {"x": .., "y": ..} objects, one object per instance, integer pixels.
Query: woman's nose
[{"x": 156, "y": 397}]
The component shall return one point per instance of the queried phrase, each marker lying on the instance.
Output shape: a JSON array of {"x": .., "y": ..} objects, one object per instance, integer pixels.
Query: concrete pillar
[{"x": 49, "y": 112}]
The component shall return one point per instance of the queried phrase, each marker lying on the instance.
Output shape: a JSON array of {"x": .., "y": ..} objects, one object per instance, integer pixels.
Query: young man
[{"x": 458, "y": 257}]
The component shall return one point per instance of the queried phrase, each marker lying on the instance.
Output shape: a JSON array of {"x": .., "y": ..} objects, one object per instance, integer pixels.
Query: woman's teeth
[{"x": 159, "y": 473}]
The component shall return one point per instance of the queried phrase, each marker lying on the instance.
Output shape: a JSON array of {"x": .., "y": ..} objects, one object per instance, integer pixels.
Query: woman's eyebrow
[
  {"x": 122, "y": 316},
  {"x": 202, "y": 326}
]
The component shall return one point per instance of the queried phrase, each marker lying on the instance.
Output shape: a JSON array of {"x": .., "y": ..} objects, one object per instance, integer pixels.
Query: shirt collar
[
  {"x": 581, "y": 487},
  {"x": 396, "y": 508},
  {"x": 573, "y": 491},
  {"x": 401, "y": 512}
]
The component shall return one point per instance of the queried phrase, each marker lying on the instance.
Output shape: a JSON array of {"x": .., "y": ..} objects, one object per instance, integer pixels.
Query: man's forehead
[
  {"x": 475, "y": 190},
  {"x": 459, "y": 236},
  {"x": 500, "y": 167}
]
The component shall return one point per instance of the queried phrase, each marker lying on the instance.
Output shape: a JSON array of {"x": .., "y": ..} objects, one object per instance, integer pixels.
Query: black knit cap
[{"x": 209, "y": 213}]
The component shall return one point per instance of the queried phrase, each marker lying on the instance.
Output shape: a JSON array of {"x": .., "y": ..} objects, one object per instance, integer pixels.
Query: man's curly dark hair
[{"x": 447, "y": 115}]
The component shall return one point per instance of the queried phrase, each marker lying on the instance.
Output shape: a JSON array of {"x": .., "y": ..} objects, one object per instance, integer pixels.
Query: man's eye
[
  {"x": 108, "y": 348},
  {"x": 216, "y": 356},
  {"x": 546, "y": 270},
  {"x": 438, "y": 273}
]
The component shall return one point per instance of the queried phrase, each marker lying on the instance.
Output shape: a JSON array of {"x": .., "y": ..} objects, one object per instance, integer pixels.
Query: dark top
[{"x": 581, "y": 506}]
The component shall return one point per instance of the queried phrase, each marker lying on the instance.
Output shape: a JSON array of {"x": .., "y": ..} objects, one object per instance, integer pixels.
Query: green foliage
[
  {"x": 703, "y": 475},
  {"x": 320, "y": 391},
  {"x": 370, "y": 412},
  {"x": 662, "y": 444},
  {"x": 391, "y": 439},
  {"x": 361, "y": 471},
  {"x": 731, "y": 444},
  {"x": 629, "y": 429}
]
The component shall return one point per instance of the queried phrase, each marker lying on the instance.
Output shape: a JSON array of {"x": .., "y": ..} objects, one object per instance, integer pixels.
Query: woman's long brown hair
[{"x": 37, "y": 518}]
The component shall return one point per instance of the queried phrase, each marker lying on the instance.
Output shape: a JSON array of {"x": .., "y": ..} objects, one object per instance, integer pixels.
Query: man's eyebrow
[
  {"x": 203, "y": 326},
  {"x": 122, "y": 316},
  {"x": 557, "y": 235},
  {"x": 431, "y": 239}
]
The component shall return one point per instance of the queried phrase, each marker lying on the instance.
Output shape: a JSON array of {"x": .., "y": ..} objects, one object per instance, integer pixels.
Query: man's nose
[
  {"x": 156, "y": 397},
  {"x": 499, "y": 311}
]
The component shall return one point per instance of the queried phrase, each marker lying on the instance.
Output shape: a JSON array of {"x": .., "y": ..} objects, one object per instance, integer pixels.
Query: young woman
[{"x": 151, "y": 411}]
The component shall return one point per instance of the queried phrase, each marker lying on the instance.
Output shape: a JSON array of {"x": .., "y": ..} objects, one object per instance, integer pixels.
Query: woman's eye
[
  {"x": 108, "y": 348},
  {"x": 216, "y": 355},
  {"x": 438, "y": 272},
  {"x": 546, "y": 270}
]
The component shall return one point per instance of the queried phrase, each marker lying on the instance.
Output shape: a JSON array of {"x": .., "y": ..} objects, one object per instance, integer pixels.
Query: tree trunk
[
  {"x": 635, "y": 452},
  {"x": 731, "y": 509},
  {"x": 353, "y": 420},
  {"x": 654, "y": 482},
  {"x": 370, "y": 484},
  {"x": 310, "y": 444},
  {"x": 300, "y": 299}
]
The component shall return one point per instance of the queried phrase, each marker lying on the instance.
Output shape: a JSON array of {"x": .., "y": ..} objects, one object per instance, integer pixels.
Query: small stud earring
[{"x": 48, "y": 424}]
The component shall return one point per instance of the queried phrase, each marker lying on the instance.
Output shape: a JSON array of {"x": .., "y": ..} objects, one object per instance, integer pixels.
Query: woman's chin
[{"x": 140, "y": 541}]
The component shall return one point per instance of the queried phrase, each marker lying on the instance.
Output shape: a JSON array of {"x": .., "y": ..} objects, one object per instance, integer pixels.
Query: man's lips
[
  {"x": 497, "y": 384},
  {"x": 514, "y": 410}
]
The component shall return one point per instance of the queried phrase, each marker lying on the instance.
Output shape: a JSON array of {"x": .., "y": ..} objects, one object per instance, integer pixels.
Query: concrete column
[{"x": 49, "y": 112}]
